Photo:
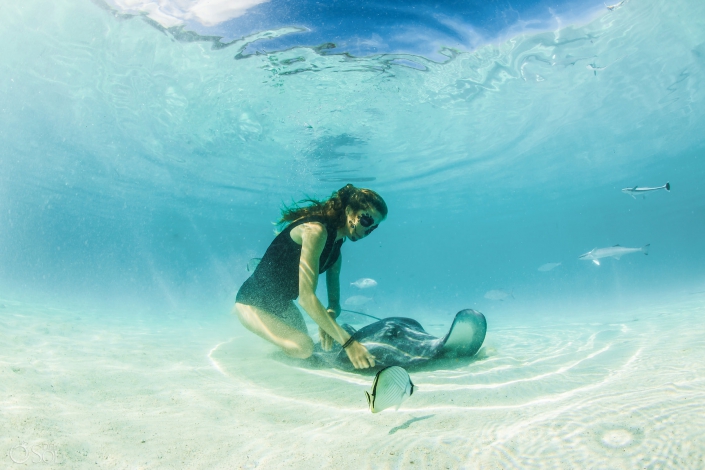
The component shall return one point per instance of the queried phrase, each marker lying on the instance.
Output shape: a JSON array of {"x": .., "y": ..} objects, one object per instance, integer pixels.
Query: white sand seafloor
[{"x": 617, "y": 390}]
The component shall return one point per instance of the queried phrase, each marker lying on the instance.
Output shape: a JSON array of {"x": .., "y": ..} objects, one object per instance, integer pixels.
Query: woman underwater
[{"x": 309, "y": 245}]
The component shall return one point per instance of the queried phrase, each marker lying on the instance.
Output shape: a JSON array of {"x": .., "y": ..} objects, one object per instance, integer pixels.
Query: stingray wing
[
  {"x": 399, "y": 341},
  {"x": 467, "y": 333}
]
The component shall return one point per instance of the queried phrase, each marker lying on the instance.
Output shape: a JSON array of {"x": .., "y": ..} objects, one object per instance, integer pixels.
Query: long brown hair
[{"x": 333, "y": 209}]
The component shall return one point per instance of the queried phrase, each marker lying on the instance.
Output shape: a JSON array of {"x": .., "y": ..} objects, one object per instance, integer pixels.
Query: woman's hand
[
  {"x": 360, "y": 356},
  {"x": 326, "y": 340}
]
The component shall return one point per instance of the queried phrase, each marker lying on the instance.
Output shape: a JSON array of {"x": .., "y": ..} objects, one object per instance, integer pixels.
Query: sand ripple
[
  {"x": 617, "y": 395},
  {"x": 598, "y": 393}
]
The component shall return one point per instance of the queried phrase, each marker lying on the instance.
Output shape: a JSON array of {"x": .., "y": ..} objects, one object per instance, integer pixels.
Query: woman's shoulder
[
  {"x": 314, "y": 227},
  {"x": 314, "y": 231},
  {"x": 313, "y": 221}
]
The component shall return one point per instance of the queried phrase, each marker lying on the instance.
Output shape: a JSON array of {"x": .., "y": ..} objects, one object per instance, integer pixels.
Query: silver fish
[
  {"x": 637, "y": 190},
  {"x": 357, "y": 300},
  {"x": 548, "y": 266},
  {"x": 615, "y": 252},
  {"x": 391, "y": 386},
  {"x": 253, "y": 263},
  {"x": 497, "y": 294},
  {"x": 364, "y": 283}
]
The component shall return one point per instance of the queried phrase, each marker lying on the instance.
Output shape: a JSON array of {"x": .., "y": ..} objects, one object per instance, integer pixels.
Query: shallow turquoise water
[
  {"x": 146, "y": 169},
  {"x": 140, "y": 173}
]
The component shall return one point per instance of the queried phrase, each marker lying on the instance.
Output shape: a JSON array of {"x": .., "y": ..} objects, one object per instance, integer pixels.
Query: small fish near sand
[
  {"x": 364, "y": 283},
  {"x": 357, "y": 300},
  {"x": 252, "y": 264},
  {"x": 615, "y": 252},
  {"x": 548, "y": 266},
  {"x": 498, "y": 294},
  {"x": 391, "y": 386},
  {"x": 636, "y": 190}
]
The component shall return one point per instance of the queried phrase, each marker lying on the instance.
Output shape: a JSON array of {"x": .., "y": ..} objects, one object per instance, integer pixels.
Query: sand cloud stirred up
[{"x": 170, "y": 13}]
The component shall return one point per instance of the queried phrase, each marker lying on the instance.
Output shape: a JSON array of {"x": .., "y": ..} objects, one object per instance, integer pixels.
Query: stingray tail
[{"x": 359, "y": 313}]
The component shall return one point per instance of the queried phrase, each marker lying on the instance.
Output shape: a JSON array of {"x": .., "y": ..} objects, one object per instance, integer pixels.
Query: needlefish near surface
[
  {"x": 615, "y": 252},
  {"x": 637, "y": 190}
]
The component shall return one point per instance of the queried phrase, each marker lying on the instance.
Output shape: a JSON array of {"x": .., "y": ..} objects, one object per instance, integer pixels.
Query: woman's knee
[
  {"x": 300, "y": 349},
  {"x": 293, "y": 342},
  {"x": 246, "y": 316}
]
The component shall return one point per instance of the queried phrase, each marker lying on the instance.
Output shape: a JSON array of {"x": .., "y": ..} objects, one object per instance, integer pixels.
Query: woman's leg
[{"x": 292, "y": 340}]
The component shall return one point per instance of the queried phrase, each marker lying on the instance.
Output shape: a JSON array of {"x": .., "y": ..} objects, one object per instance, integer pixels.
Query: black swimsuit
[{"x": 275, "y": 283}]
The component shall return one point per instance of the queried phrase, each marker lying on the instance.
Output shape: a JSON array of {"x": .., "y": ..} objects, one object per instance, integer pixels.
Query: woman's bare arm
[
  {"x": 313, "y": 240},
  {"x": 333, "y": 286}
]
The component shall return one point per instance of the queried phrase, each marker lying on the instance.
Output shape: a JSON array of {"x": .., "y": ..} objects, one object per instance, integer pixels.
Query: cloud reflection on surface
[
  {"x": 176, "y": 12},
  {"x": 366, "y": 28}
]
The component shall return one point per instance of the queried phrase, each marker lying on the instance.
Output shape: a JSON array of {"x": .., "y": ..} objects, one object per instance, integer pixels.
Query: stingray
[{"x": 400, "y": 341}]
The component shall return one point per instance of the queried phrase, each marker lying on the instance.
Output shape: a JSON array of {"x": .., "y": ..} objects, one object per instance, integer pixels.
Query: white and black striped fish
[{"x": 390, "y": 387}]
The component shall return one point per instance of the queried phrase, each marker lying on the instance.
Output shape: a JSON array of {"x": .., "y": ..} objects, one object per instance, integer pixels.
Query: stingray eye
[{"x": 366, "y": 220}]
